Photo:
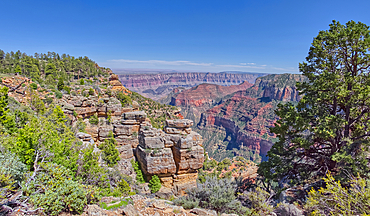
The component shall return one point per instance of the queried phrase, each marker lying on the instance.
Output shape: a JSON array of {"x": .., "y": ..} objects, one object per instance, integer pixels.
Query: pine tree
[
  {"x": 155, "y": 184},
  {"x": 329, "y": 128},
  {"x": 110, "y": 153}
]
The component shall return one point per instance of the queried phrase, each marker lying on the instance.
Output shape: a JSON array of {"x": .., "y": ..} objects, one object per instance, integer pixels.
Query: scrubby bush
[
  {"x": 54, "y": 190},
  {"x": 60, "y": 84},
  {"x": 94, "y": 119},
  {"x": 139, "y": 173},
  {"x": 155, "y": 184},
  {"x": 33, "y": 86},
  {"x": 81, "y": 125},
  {"x": 124, "y": 99},
  {"x": 336, "y": 199},
  {"x": 11, "y": 166},
  {"x": 58, "y": 94},
  {"x": 91, "y": 91},
  {"x": 257, "y": 201},
  {"x": 124, "y": 187},
  {"x": 82, "y": 82},
  {"x": 110, "y": 153},
  {"x": 216, "y": 194},
  {"x": 67, "y": 89}
]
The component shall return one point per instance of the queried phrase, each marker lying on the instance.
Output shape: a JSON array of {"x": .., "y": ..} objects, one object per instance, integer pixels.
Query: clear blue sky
[{"x": 256, "y": 36}]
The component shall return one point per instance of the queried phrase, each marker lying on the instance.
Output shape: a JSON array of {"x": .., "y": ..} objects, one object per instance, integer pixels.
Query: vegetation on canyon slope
[{"x": 44, "y": 167}]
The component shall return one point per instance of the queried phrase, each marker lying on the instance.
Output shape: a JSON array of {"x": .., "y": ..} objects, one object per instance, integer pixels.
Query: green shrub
[
  {"x": 80, "y": 125},
  {"x": 33, "y": 86},
  {"x": 67, "y": 89},
  {"x": 11, "y": 166},
  {"x": 82, "y": 82},
  {"x": 124, "y": 187},
  {"x": 48, "y": 100},
  {"x": 335, "y": 199},
  {"x": 124, "y": 99},
  {"x": 58, "y": 94},
  {"x": 139, "y": 174},
  {"x": 216, "y": 194},
  {"x": 54, "y": 190},
  {"x": 110, "y": 153},
  {"x": 155, "y": 184},
  {"x": 91, "y": 91},
  {"x": 94, "y": 119},
  {"x": 60, "y": 84},
  {"x": 258, "y": 202}
]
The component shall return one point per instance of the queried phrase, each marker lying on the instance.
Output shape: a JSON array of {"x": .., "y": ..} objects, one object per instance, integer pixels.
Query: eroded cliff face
[
  {"x": 205, "y": 94},
  {"x": 197, "y": 100},
  {"x": 244, "y": 118},
  {"x": 156, "y": 86}
]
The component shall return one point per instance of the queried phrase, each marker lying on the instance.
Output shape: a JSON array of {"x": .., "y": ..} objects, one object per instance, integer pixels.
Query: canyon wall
[
  {"x": 156, "y": 86},
  {"x": 243, "y": 118}
]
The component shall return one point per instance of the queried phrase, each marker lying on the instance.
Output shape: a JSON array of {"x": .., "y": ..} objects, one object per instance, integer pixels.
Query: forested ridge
[{"x": 46, "y": 67}]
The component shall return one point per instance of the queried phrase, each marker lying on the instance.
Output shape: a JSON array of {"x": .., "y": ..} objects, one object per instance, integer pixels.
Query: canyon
[
  {"x": 156, "y": 86},
  {"x": 235, "y": 120}
]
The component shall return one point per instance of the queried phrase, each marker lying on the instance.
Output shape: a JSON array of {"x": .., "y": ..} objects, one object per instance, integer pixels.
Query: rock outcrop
[
  {"x": 174, "y": 155},
  {"x": 156, "y": 86}
]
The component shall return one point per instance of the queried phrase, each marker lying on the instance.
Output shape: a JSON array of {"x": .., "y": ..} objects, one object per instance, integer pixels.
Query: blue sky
[{"x": 200, "y": 35}]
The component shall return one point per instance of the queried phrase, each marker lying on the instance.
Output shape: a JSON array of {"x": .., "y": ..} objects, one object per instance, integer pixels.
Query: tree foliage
[
  {"x": 54, "y": 190},
  {"x": 329, "y": 128},
  {"x": 110, "y": 153},
  {"x": 155, "y": 184}
]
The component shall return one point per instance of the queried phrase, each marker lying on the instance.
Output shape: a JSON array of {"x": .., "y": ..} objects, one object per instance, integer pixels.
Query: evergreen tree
[
  {"x": 110, "y": 153},
  {"x": 18, "y": 69},
  {"x": 155, "y": 184},
  {"x": 329, "y": 128},
  {"x": 60, "y": 84}
]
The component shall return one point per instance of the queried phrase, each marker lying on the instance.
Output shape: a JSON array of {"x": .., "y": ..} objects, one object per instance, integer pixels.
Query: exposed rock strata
[
  {"x": 174, "y": 154},
  {"x": 175, "y": 157},
  {"x": 244, "y": 118},
  {"x": 156, "y": 86}
]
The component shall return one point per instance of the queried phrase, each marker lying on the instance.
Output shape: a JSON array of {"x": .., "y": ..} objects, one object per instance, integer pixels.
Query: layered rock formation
[
  {"x": 197, "y": 100},
  {"x": 242, "y": 120},
  {"x": 205, "y": 94},
  {"x": 174, "y": 155},
  {"x": 156, "y": 86}
]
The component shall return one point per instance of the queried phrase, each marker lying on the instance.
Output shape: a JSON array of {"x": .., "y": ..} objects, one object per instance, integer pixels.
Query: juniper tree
[{"x": 329, "y": 128}]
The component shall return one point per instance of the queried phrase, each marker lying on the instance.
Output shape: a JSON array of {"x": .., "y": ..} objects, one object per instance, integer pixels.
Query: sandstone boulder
[
  {"x": 155, "y": 162},
  {"x": 179, "y": 123}
]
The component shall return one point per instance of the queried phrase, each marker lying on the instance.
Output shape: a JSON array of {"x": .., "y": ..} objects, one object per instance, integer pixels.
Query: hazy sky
[{"x": 255, "y": 36}]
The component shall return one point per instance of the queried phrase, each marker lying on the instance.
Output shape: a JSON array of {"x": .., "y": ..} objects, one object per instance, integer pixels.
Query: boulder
[
  {"x": 179, "y": 123},
  {"x": 127, "y": 130},
  {"x": 155, "y": 162},
  {"x": 203, "y": 212},
  {"x": 136, "y": 115},
  {"x": 151, "y": 142},
  {"x": 188, "y": 160},
  {"x": 130, "y": 210},
  {"x": 125, "y": 151}
]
